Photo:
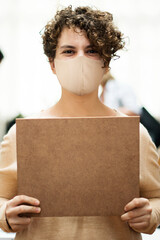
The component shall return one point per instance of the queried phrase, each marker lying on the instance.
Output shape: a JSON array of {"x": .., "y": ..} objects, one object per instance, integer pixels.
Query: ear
[
  {"x": 52, "y": 66},
  {"x": 107, "y": 69}
]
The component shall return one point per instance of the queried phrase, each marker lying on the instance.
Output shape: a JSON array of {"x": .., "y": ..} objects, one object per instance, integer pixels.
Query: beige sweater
[{"x": 81, "y": 228}]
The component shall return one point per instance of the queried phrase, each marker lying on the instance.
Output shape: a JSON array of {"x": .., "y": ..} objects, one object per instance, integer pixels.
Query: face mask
[{"x": 80, "y": 75}]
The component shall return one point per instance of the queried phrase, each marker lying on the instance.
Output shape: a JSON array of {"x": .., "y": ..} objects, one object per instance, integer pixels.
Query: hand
[
  {"x": 138, "y": 214},
  {"x": 16, "y": 207}
]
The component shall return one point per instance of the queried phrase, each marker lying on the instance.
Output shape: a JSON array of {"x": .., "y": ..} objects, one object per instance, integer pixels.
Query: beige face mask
[{"x": 80, "y": 75}]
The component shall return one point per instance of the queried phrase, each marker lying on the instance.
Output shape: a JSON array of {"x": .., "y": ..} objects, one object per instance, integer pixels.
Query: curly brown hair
[{"x": 105, "y": 38}]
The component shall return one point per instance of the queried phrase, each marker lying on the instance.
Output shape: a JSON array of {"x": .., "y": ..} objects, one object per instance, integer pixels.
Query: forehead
[{"x": 73, "y": 37}]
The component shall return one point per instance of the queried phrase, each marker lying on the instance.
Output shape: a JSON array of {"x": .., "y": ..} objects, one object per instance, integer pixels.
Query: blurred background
[{"x": 27, "y": 84}]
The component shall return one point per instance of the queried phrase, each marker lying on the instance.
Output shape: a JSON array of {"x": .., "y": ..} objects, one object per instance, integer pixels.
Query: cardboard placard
[{"x": 79, "y": 166}]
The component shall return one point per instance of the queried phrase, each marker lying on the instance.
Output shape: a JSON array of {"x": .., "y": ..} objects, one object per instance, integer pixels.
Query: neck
[{"x": 78, "y": 106}]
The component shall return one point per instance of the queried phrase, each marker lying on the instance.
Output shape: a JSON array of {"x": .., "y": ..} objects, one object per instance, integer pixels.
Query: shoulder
[
  {"x": 147, "y": 148},
  {"x": 11, "y": 134},
  {"x": 144, "y": 135},
  {"x": 46, "y": 113},
  {"x": 145, "y": 138},
  {"x": 149, "y": 166}
]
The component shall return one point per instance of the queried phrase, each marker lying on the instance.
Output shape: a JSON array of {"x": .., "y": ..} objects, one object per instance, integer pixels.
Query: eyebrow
[
  {"x": 67, "y": 46},
  {"x": 72, "y": 47}
]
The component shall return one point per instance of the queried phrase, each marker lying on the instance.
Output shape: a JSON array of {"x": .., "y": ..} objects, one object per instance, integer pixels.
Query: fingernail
[
  {"x": 38, "y": 210},
  {"x": 37, "y": 202}
]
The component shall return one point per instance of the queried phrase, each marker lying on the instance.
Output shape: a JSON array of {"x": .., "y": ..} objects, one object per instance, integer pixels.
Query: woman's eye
[
  {"x": 68, "y": 51},
  {"x": 92, "y": 51}
]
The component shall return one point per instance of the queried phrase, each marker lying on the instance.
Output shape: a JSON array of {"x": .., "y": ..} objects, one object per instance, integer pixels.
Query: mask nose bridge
[{"x": 81, "y": 53}]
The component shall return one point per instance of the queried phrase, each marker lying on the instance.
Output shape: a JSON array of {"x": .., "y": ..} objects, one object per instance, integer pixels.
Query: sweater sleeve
[
  {"x": 150, "y": 177},
  {"x": 8, "y": 174}
]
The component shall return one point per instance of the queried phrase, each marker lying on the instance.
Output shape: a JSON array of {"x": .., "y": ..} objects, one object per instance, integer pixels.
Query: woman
[{"x": 79, "y": 45}]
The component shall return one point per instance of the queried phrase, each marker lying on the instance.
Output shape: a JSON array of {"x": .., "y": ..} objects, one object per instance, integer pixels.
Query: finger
[
  {"x": 19, "y": 221},
  {"x": 136, "y": 203},
  {"x": 136, "y": 213},
  {"x": 24, "y": 199},
  {"x": 18, "y": 228},
  {"x": 24, "y": 209},
  {"x": 144, "y": 218},
  {"x": 139, "y": 226}
]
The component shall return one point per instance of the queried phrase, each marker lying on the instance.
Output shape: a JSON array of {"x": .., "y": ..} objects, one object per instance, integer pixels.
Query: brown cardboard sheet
[{"x": 79, "y": 166}]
